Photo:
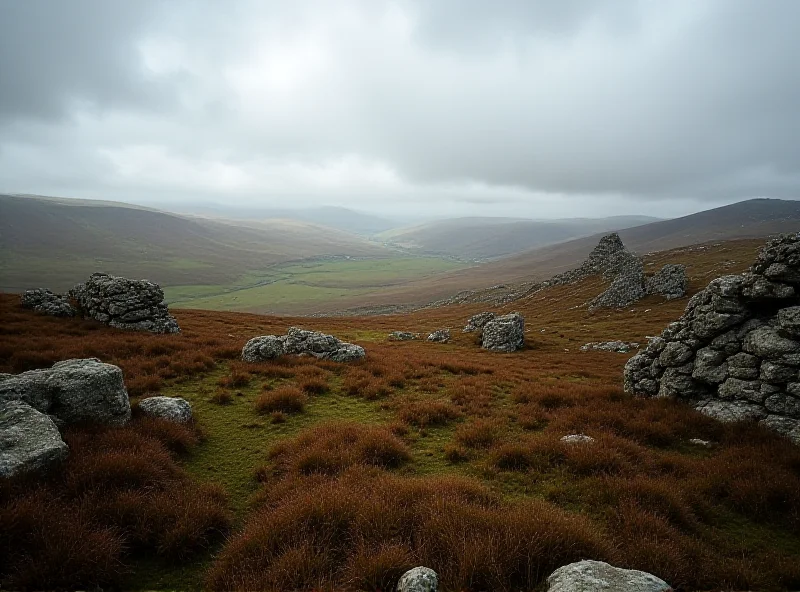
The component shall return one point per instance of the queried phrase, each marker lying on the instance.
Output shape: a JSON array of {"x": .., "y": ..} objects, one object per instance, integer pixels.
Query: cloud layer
[{"x": 576, "y": 107}]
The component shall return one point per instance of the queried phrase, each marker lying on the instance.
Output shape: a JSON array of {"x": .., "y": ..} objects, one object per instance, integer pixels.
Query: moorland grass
[{"x": 444, "y": 455}]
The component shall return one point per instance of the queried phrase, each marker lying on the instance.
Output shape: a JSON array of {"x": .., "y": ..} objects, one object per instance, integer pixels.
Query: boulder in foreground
[
  {"x": 72, "y": 391},
  {"x": 504, "y": 334},
  {"x": 301, "y": 342},
  {"x": 419, "y": 579},
  {"x": 29, "y": 440},
  {"x": 174, "y": 409},
  {"x": 598, "y": 576}
]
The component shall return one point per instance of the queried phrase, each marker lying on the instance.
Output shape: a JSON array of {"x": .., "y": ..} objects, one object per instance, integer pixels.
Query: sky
[{"x": 414, "y": 107}]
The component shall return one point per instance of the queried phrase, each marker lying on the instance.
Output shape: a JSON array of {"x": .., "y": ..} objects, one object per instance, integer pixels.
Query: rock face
[
  {"x": 402, "y": 336},
  {"x": 301, "y": 342},
  {"x": 735, "y": 352},
  {"x": 670, "y": 282},
  {"x": 419, "y": 579},
  {"x": 46, "y": 302},
  {"x": 440, "y": 336},
  {"x": 72, "y": 391},
  {"x": 170, "y": 408},
  {"x": 135, "y": 305},
  {"x": 610, "y": 346},
  {"x": 29, "y": 440},
  {"x": 504, "y": 334},
  {"x": 476, "y": 322},
  {"x": 598, "y": 576}
]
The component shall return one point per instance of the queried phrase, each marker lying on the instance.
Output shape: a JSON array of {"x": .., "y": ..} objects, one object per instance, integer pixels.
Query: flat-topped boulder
[
  {"x": 46, "y": 302},
  {"x": 72, "y": 391},
  {"x": 505, "y": 333},
  {"x": 175, "y": 409},
  {"x": 598, "y": 576},
  {"x": 301, "y": 342},
  {"x": 735, "y": 352},
  {"x": 133, "y": 305},
  {"x": 29, "y": 440}
]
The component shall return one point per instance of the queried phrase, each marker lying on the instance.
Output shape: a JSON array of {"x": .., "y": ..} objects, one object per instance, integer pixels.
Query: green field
[{"x": 298, "y": 286}]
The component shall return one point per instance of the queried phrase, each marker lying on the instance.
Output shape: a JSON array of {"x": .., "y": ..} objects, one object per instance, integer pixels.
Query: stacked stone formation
[
  {"x": 505, "y": 333},
  {"x": 735, "y": 352},
  {"x": 46, "y": 302},
  {"x": 301, "y": 342},
  {"x": 136, "y": 305},
  {"x": 610, "y": 346}
]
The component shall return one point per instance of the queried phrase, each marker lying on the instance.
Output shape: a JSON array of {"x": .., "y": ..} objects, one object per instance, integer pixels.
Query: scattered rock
[
  {"x": 72, "y": 391},
  {"x": 402, "y": 336},
  {"x": 610, "y": 346},
  {"x": 699, "y": 442},
  {"x": 29, "y": 440},
  {"x": 440, "y": 336},
  {"x": 135, "y": 305},
  {"x": 735, "y": 351},
  {"x": 301, "y": 342},
  {"x": 577, "y": 439},
  {"x": 419, "y": 579},
  {"x": 174, "y": 409},
  {"x": 46, "y": 302},
  {"x": 478, "y": 321},
  {"x": 504, "y": 334},
  {"x": 598, "y": 576}
]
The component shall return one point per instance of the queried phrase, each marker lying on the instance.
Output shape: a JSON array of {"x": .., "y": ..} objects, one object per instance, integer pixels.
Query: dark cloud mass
[{"x": 449, "y": 107}]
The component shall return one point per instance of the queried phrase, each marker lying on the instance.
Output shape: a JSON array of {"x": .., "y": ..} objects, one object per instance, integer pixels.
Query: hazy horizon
[{"x": 408, "y": 109}]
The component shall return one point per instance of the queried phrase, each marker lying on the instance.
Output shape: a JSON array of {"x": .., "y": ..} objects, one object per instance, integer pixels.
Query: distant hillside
[
  {"x": 57, "y": 241},
  {"x": 757, "y": 218},
  {"x": 344, "y": 219},
  {"x": 489, "y": 238}
]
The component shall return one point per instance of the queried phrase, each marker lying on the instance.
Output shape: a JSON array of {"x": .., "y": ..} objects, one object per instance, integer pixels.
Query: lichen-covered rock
[
  {"x": 402, "y": 336},
  {"x": 670, "y": 281},
  {"x": 29, "y": 440},
  {"x": 440, "y": 336},
  {"x": 301, "y": 342},
  {"x": 134, "y": 305},
  {"x": 419, "y": 579},
  {"x": 577, "y": 439},
  {"x": 505, "y": 333},
  {"x": 174, "y": 409},
  {"x": 477, "y": 322},
  {"x": 72, "y": 391},
  {"x": 625, "y": 289},
  {"x": 735, "y": 351},
  {"x": 46, "y": 302},
  {"x": 610, "y": 346},
  {"x": 260, "y": 349},
  {"x": 598, "y": 576}
]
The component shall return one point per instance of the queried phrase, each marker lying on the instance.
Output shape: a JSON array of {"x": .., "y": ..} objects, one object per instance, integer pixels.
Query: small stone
[
  {"x": 699, "y": 442},
  {"x": 419, "y": 579},
  {"x": 577, "y": 439},
  {"x": 402, "y": 336},
  {"x": 174, "y": 409},
  {"x": 440, "y": 336}
]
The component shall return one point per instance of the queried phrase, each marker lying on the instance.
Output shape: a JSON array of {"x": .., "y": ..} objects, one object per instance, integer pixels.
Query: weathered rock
[
  {"x": 29, "y": 440},
  {"x": 598, "y": 576},
  {"x": 301, "y": 342},
  {"x": 610, "y": 346},
  {"x": 504, "y": 334},
  {"x": 46, "y": 302},
  {"x": 670, "y": 281},
  {"x": 260, "y": 349},
  {"x": 785, "y": 426},
  {"x": 625, "y": 289},
  {"x": 402, "y": 336},
  {"x": 134, "y": 305},
  {"x": 419, "y": 579},
  {"x": 477, "y": 322},
  {"x": 700, "y": 442},
  {"x": 174, "y": 409},
  {"x": 735, "y": 351},
  {"x": 577, "y": 439},
  {"x": 440, "y": 336},
  {"x": 72, "y": 391}
]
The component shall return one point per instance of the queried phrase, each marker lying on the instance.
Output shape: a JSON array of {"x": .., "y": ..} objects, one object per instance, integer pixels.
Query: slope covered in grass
[{"x": 342, "y": 476}]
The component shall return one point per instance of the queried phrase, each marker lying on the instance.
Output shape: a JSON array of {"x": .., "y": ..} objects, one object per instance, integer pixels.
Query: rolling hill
[
  {"x": 66, "y": 240},
  {"x": 488, "y": 238}
]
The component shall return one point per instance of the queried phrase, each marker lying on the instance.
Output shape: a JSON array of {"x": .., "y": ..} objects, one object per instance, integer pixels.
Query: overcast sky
[{"x": 457, "y": 107}]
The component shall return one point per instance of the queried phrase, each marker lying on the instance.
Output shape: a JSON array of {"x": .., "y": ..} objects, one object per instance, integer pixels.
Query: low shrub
[{"x": 285, "y": 399}]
